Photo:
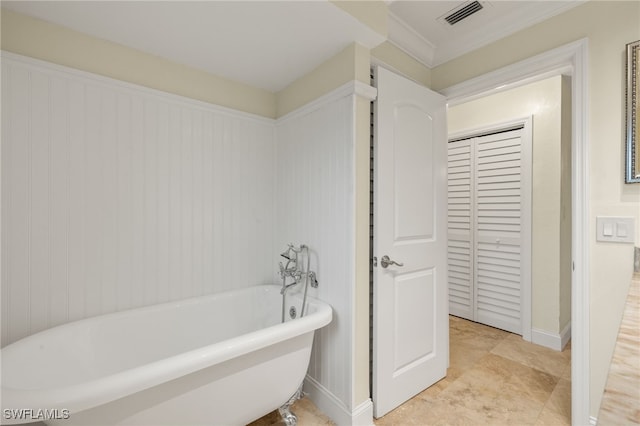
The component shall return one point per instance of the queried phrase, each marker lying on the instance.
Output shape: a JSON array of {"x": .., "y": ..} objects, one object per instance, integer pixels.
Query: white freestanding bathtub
[{"x": 223, "y": 359}]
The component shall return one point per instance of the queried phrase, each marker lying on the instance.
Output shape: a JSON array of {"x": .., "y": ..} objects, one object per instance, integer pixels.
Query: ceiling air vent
[{"x": 458, "y": 14}]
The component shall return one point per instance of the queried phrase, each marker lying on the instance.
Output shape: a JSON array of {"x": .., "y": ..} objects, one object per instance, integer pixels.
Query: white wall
[
  {"x": 315, "y": 206},
  {"x": 543, "y": 101},
  {"x": 115, "y": 196}
]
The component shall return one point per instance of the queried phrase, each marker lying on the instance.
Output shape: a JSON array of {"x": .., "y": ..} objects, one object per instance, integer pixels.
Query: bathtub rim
[{"x": 89, "y": 394}]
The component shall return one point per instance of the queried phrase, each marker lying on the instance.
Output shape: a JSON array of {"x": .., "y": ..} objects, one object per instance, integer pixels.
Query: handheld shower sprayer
[
  {"x": 285, "y": 254},
  {"x": 296, "y": 272},
  {"x": 291, "y": 253}
]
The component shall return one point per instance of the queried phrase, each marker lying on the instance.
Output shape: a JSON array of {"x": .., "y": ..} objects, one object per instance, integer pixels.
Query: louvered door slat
[
  {"x": 500, "y": 140},
  {"x": 501, "y": 176},
  {"x": 498, "y": 168}
]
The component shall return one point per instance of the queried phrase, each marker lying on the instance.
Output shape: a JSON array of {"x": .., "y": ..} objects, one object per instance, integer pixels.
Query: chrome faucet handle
[{"x": 314, "y": 280}]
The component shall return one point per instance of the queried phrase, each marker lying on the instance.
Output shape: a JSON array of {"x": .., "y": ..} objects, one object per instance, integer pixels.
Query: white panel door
[{"x": 410, "y": 297}]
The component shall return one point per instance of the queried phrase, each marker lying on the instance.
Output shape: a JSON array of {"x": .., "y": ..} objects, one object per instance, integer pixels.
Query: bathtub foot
[{"x": 288, "y": 417}]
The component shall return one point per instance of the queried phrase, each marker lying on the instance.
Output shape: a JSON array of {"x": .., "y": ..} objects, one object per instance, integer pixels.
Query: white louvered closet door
[
  {"x": 460, "y": 230},
  {"x": 498, "y": 226},
  {"x": 486, "y": 229}
]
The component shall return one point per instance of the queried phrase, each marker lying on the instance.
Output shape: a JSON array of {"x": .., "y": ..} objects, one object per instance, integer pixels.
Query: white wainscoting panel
[
  {"x": 116, "y": 196},
  {"x": 315, "y": 206}
]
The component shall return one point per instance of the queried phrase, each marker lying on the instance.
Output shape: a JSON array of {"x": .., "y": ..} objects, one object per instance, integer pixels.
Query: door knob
[{"x": 385, "y": 261}]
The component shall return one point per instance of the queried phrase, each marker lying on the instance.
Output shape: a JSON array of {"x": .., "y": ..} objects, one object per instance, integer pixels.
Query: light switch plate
[
  {"x": 607, "y": 229},
  {"x": 615, "y": 229}
]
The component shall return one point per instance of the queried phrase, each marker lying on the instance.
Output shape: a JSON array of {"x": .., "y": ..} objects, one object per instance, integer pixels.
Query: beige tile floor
[
  {"x": 494, "y": 378},
  {"x": 304, "y": 409}
]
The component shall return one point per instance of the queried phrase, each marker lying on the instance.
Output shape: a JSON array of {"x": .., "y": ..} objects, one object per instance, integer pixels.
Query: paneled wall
[
  {"x": 115, "y": 196},
  {"x": 315, "y": 206}
]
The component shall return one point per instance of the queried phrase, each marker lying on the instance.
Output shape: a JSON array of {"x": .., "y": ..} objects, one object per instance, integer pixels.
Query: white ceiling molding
[
  {"x": 418, "y": 27},
  {"x": 528, "y": 15},
  {"x": 409, "y": 40}
]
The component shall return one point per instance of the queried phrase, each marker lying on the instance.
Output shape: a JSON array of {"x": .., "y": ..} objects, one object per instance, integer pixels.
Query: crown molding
[
  {"x": 408, "y": 40},
  {"x": 521, "y": 20}
]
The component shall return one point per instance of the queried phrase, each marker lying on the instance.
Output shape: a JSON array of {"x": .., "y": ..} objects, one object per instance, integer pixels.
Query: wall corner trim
[
  {"x": 350, "y": 88},
  {"x": 565, "y": 336},
  {"x": 329, "y": 404},
  {"x": 365, "y": 91}
]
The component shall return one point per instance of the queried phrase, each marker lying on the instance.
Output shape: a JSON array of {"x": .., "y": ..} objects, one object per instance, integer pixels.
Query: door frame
[
  {"x": 526, "y": 216},
  {"x": 572, "y": 60}
]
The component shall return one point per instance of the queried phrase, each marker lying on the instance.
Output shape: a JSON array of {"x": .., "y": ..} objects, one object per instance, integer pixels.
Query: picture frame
[{"x": 632, "y": 128}]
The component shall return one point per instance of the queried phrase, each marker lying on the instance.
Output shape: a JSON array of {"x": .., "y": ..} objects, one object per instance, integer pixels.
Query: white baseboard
[
  {"x": 332, "y": 407},
  {"x": 551, "y": 340},
  {"x": 362, "y": 415}
]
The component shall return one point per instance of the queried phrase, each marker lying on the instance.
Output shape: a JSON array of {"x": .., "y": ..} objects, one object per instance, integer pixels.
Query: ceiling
[
  {"x": 266, "y": 44},
  {"x": 418, "y": 27},
  {"x": 269, "y": 44}
]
